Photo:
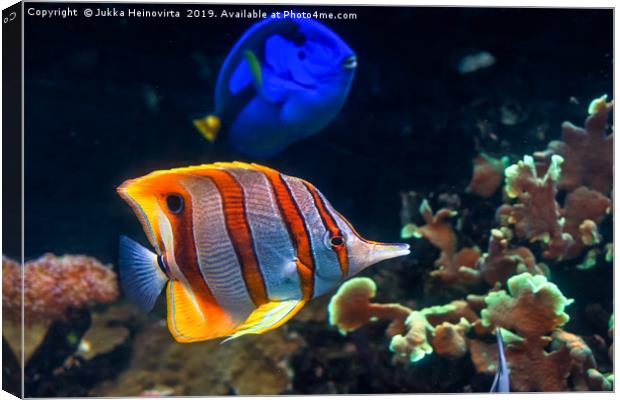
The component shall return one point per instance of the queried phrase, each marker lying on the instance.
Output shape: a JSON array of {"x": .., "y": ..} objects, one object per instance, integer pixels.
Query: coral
[
  {"x": 454, "y": 268},
  {"x": 257, "y": 365},
  {"x": 105, "y": 333},
  {"x": 581, "y": 356},
  {"x": 350, "y": 308},
  {"x": 487, "y": 175},
  {"x": 532, "y": 307},
  {"x": 11, "y": 289},
  {"x": 437, "y": 229},
  {"x": 451, "y": 312},
  {"x": 521, "y": 301},
  {"x": 53, "y": 284},
  {"x": 536, "y": 215},
  {"x": 583, "y": 209},
  {"x": 414, "y": 344},
  {"x": 458, "y": 267},
  {"x": 551, "y": 368},
  {"x": 597, "y": 381},
  {"x": 449, "y": 339},
  {"x": 501, "y": 262},
  {"x": 588, "y": 151},
  {"x": 411, "y": 332},
  {"x": 483, "y": 356}
]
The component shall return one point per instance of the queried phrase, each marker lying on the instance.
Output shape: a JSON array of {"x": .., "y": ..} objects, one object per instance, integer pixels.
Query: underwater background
[{"x": 108, "y": 99}]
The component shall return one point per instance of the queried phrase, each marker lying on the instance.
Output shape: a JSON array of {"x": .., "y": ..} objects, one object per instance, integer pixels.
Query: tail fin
[
  {"x": 501, "y": 383},
  {"x": 208, "y": 126},
  {"x": 141, "y": 277}
]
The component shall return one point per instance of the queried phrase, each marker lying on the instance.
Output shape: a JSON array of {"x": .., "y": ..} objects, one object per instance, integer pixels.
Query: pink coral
[
  {"x": 501, "y": 262},
  {"x": 459, "y": 267},
  {"x": 532, "y": 306},
  {"x": 581, "y": 205},
  {"x": 54, "y": 284},
  {"x": 453, "y": 267},
  {"x": 588, "y": 151},
  {"x": 581, "y": 356},
  {"x": 536, "y": 215},
  {"x": 551, "y": 368},
  {"x": 350, "y": 308},
  {"x": 437, "y": 229},
  {"x": 449, "y": 339},
  {"x": 487, "y": 175}
]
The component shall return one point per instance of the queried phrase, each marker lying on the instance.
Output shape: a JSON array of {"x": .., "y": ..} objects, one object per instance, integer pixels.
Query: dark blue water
[{"x": 410, "y": 120}]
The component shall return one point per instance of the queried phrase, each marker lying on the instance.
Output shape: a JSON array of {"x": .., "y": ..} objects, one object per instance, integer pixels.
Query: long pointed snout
[
  {"x": 385, "y": 251},
  {"x": 366, "y": 253}
]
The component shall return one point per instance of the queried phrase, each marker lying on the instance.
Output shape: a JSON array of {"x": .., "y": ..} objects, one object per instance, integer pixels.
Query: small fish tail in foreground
[{"x": 501, "y": 382}]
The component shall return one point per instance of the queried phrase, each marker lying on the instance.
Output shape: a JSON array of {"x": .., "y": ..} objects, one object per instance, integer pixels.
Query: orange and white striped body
[{"x": 242, "y": 247}]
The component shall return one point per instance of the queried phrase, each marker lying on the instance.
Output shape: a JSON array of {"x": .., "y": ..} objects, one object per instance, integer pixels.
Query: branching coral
[
  {"x": 54, "y": 284},
  {"x": 413, "y": 345},
  {"x": 501, "y": 262},
  {"x": 458, "y": 268},
  {"x": 588, "y": 151},
  {"x": 536, "y": 215},
  {"x": 583, "y": 210},
  {"x": 411, "y": 332},
  {"x": 521, "y": 301},
  {"x": 437, "y": 229},
  {"x": 532, "y": 307},
  {"x": 449, "y": 339},
  {"x": 487, "y": 175},
  {"x": 453, "y": 267},
  {"x": 582, "y": 360},
  {"x": 551, "y": 368},
  {"x": 350, "y": 308}
]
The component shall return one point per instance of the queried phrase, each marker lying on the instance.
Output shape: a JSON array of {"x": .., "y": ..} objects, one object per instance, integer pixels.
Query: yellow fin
[
  {"x": 208, "y": 126},
  {"x": 236, "y": 164},
  {"x": 186, "y": 321},
  {"x": 267, "y": 317}
]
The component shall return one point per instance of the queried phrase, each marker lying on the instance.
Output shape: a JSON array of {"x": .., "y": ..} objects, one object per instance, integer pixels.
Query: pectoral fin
[
  {"x": 141, "y": 277},
  {"x": 267, "y": 317}
]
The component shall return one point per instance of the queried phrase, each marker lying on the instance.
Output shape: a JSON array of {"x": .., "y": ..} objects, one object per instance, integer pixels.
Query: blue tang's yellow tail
[{"x": 208, "y": 126}]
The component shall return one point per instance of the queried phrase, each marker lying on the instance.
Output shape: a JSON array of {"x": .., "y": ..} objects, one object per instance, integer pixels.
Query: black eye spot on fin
[{"x": 174, "y": 202}]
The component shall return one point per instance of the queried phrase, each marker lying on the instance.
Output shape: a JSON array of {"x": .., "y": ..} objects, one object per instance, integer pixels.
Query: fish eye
[
  {"x": 336, "y": 241},
  {"x": 301, "y": 55},
  {"x": 174, "y": 203}
]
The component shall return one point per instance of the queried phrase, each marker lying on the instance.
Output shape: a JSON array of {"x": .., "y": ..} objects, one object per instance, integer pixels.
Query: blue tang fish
[{"x": 284, "y": 80}]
